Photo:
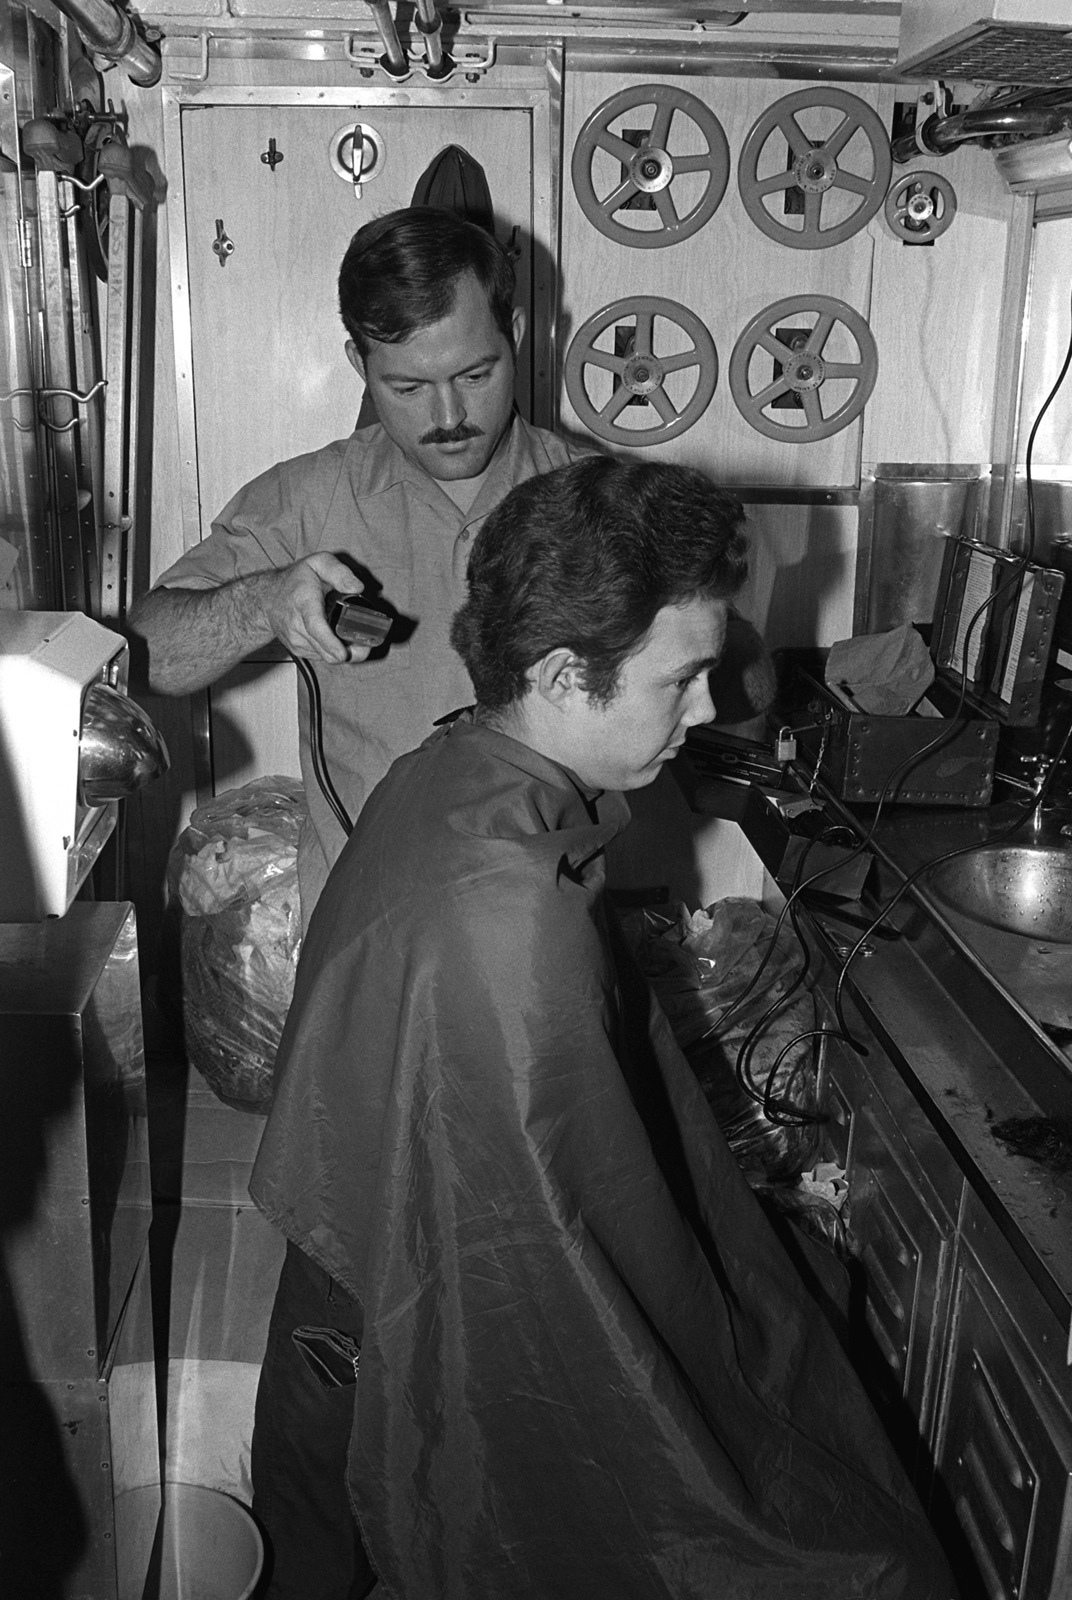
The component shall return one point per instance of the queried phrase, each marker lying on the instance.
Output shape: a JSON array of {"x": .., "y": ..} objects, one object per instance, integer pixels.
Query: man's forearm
[{"x": 194, "y": 636}]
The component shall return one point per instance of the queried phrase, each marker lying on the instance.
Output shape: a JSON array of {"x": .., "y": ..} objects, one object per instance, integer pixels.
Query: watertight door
[{"x": 268, "y": 218}]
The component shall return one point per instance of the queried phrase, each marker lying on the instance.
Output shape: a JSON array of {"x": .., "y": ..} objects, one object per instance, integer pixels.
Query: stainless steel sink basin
[{"x": 1022, "y": 888}]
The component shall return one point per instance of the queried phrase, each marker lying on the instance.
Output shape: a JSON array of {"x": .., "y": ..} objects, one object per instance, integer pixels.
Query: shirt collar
[
  {"x": 377, "y": 464},
  {"x": 606, "y": 808}
]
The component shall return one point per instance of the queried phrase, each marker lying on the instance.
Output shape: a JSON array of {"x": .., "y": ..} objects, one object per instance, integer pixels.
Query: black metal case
[
  {"x": 994, "y": 623},
  {"x": 991, "y": 640},
  {"x": 859, "y": 754}
]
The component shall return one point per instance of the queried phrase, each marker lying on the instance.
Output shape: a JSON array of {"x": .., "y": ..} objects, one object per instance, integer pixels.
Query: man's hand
[
  {"x": 294, "y": 609},
  {"x": 194, "y": 636}
]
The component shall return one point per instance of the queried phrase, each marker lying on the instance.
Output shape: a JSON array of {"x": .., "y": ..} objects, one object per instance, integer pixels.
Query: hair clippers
[{"x": 356, "y": 620}]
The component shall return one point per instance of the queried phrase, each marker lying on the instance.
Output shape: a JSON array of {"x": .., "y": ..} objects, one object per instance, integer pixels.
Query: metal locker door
[{"x": 268, "y": 219}]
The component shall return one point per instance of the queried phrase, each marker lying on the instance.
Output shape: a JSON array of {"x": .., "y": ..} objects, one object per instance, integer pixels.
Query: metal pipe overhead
[
  {"x": 430, "y": 24},
  {"x": 394, "y": 57},
  {"x": 111, "y": 32},
  {"x": 1026, "y": 122}
]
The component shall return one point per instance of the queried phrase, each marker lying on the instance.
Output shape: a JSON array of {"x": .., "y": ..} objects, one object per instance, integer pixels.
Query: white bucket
[{"x": 206, "y": 1547}]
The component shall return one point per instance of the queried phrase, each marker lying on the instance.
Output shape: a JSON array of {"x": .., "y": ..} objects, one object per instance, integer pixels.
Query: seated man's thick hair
[
  {"x": 584, "y": 557},
  {"x": 400, "y": 274}
]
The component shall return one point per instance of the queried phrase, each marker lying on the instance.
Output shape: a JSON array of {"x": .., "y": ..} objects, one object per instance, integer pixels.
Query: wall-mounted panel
[
  {"x": 1048, "y": 336},
  {"x": 729, "y": 270},
  {"x": 936, "y": 312},
  {"x": 264, "y": 244}
]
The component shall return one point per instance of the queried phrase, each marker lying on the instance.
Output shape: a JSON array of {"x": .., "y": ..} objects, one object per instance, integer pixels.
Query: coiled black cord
[{"x": 316, "y": 746}]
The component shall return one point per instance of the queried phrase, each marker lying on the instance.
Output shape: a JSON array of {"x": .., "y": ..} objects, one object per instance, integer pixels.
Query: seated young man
[{"x": 587, "y": 1367}]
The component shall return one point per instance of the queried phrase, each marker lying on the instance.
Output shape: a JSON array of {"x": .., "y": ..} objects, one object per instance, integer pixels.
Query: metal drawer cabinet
[
  {"x": 965, "y": 1358},
  {"x": 1003, "y": 1451},
  {"x": 904, "y": 1195}
]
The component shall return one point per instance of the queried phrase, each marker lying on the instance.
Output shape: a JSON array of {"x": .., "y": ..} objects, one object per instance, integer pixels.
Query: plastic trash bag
[
  {"x": 234, "y": 873},
  {"x": 745, "y": 1023}
]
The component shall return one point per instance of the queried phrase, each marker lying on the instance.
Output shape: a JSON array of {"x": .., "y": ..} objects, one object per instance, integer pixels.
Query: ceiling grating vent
[{"x": 999, "y": 53}]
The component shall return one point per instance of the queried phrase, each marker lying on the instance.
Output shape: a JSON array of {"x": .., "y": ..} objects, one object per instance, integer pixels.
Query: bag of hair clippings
[
  {"x": 733, "y": 995},
  {"x": 733, "y": 992},
  {"x": 234, "y": 874}
]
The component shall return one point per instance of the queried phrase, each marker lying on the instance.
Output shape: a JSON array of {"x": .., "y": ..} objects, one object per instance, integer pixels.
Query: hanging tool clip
[
  {"x": 125, "y": 174},
  {"x": 50, "y": 146},
  {"x": 222, "y": 245}
]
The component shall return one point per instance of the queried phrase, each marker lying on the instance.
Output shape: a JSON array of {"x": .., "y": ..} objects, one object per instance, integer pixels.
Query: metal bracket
[
  {"x": 933, "y": 104},
  {"x": 14, "y": 394},
  {"x": 471, "y": 57},
  {"x": 367, "y": 55},
  {"x": 67, "y": 394},
  {"x": 201, "y": 75},
  {"x": 41, "y": 395},
  {"x": 76, "y": 183}
]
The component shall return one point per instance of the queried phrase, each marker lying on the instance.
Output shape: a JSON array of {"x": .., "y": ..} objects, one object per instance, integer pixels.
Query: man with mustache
[{"x": 427, "y": 300}]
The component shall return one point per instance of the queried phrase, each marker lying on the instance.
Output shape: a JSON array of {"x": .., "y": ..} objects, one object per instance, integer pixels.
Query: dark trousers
[{"x": 301, "y": 1435}]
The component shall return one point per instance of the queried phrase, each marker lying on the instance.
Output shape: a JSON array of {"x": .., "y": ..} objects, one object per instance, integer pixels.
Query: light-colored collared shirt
[{"x": 362, "y": 499}]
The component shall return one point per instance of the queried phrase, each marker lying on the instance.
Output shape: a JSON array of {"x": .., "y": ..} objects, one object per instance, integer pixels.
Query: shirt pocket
[{"x": 392, "y": 588}]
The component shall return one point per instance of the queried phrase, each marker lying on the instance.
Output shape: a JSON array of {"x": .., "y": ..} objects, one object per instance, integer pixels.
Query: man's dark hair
[
  {"x": 584, "y": 557},
  {"x": 400, "y": 273}
]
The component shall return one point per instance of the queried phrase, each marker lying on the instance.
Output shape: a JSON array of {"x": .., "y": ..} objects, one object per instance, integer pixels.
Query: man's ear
[
  {"x": 519, "y": 327},
  {"x": 557, "y": 676},
  {"x": 353, "y": 356}
]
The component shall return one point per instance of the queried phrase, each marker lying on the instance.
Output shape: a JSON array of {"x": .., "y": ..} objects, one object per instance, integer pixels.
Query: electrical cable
[
  {"x": 1028, "y": 453},
  {"x": 778, "y": 1114},
  {"x": 1038, "y": 799},
  {"x": 720, "y": 1022},
  {"x": 316, "y": 746},
  {"x": 953, "y": 726},
  {"x": 786, "y": 1115}
]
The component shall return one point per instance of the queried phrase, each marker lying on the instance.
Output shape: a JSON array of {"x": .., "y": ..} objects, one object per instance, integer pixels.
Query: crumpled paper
[
  {"x": 883, "y": 673},
  {"x": 225, "y": 872},
  {"x": 828, "y": 1180},
  {"x": 234, "y": 872}
]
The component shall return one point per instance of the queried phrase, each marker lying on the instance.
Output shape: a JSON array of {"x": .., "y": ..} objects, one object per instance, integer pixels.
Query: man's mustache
[{"x": 458, "y": 435}]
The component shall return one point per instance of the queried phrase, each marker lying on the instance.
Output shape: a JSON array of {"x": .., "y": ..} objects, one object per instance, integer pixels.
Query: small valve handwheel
[
  {"x": 920, "y": 206},
  {"x": 637, "y": 373},
  {"x": 370, "y": 156},
  {"x": 651, "y": 167},
  {"x": 836, "y": 183},
  {"x": 803, "y": 363}
]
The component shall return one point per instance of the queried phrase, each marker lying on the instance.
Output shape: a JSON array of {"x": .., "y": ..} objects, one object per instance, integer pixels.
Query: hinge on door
[{"x": 26, "y": 239}]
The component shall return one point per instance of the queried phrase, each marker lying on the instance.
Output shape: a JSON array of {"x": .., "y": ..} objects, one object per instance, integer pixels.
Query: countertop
[{"x": 966, "y": 1046}]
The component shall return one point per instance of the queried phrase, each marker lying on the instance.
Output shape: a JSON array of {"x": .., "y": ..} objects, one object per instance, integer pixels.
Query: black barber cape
[{"x": 589, "y": 1371}]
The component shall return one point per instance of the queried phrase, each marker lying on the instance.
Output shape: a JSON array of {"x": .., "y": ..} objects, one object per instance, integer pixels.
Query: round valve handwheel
[
  {"x": 920, "y": 206},
  {"x": 638, "y": 372},
  {"x": 651, "y": 167},
  {"x": 802, "y": 365},
  {"x": 820, "y": 170}
]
